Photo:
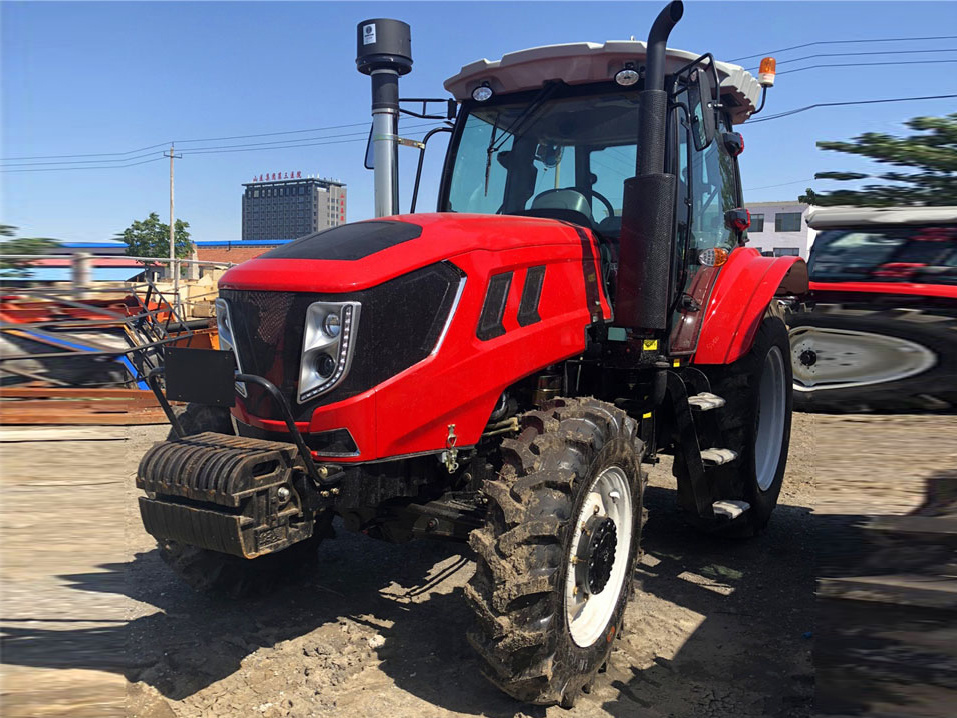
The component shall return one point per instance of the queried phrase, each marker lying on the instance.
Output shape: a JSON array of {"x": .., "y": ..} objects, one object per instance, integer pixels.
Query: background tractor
[
  {"x": 498, "y": 371},
  {"x": 882, "y": 334}
]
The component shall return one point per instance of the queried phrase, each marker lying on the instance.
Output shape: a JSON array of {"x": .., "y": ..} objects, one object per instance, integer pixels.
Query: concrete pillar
[
  {"x": 192, "y": 271},
  {"x": 82, "y": 265}
]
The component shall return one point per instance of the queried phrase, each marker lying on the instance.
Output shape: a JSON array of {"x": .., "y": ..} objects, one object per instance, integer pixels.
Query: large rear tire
[
  {"x": 555, "y": 560},
  {"x": 755, "y": 423},
  {"x": 860, "y": 360}
]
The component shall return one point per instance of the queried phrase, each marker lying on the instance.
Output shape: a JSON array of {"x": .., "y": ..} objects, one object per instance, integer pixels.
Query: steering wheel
[{"x": 604, "y": 200}]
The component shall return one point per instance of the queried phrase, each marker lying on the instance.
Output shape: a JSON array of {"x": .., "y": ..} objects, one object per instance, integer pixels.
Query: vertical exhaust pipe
[
  {"x": 384, "y": 52},
  {"x": 648, "y": 208}
]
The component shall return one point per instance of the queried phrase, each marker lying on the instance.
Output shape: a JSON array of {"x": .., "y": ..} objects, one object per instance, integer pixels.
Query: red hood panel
[{"x": 444, "y": 236}]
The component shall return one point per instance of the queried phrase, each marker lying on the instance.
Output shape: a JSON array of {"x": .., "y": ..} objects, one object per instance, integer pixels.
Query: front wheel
[{"x": 556, "y": 557}]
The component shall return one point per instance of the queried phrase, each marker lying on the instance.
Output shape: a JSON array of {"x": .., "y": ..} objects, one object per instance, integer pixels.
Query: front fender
[{"x": 741, "y": 295}]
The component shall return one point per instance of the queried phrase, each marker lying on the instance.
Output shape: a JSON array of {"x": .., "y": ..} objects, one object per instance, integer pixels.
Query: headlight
[
  {"x": 226, "y": 340},
  {"x": 327, "y": 345},
  {"x": 331, "y": 325}
]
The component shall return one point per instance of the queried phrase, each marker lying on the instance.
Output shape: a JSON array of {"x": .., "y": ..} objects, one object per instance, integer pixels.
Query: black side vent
[
  {"x": 490, "y": 321},
  {"x": 531, "y": 295}
]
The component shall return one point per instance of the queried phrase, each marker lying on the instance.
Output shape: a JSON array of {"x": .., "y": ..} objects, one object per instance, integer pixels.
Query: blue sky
[{"x": 113, "y": 77}]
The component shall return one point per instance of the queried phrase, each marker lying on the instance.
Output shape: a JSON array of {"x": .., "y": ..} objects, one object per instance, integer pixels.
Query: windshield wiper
[{"x": 517, "y": 124}]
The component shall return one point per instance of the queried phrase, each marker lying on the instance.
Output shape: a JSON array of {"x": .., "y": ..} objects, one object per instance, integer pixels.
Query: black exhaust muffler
[{"x": 648, "y": 208}]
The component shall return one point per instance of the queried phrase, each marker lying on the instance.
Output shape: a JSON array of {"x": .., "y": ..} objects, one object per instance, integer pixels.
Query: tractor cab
[{"x": 528, "y": 144}]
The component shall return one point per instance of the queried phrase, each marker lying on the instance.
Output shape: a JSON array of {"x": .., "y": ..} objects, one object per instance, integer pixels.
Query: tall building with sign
[{"x": 286, "y": 205}]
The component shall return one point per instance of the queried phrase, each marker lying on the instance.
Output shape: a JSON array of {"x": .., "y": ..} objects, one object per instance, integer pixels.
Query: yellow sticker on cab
[{"x": 649, "y": 345}]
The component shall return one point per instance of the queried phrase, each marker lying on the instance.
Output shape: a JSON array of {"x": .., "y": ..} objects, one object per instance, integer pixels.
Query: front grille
[{"x": 399, "y": 325}]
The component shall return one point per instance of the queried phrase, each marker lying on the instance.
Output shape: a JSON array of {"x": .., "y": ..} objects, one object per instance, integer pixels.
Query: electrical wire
[
  {"x": 857, "y": 54},
  {"x": 202, "y": 139},
  {"x": 101, "y": 167},
  {"x": 91, "y": 154},
  {"x": 788, "y": 113},
  {"x": 782, "y": 184},
  {"x": 278, "y": 144},
  {"x": 864, "y": 64},
  {"x": 209, "y": 151},
  {"x": 841, "y": 42}
]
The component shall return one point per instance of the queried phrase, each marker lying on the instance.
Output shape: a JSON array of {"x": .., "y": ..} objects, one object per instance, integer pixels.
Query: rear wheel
[
  {"x": 755, "y": 423},
  {"x": 556, "y": 557},
  {"x": 852, "y": 360}
]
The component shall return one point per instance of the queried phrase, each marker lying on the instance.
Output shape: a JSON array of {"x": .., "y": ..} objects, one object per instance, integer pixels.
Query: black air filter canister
[{"x": 383, "y": 44}]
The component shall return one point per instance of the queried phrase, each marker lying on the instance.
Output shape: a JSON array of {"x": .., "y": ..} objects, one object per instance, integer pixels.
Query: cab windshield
[
  {"x": 921, "y": 254},
  {"x": 567, "y": 158}
]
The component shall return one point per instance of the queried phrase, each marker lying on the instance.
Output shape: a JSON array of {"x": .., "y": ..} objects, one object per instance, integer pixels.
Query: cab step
[
  {"x": 705, "y": 401},
  {"x": 716, "y": 457},
  {"x": 730, "y": 508}
]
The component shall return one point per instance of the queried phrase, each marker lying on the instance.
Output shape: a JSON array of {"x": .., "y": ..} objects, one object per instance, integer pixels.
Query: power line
[
  {"x": 795, "y": 111},
  {"x": 101, "y": 167},
  {"x": 166, "y": 144},
  {"x": 782, "y": 184},
  {"x": 842, "y": 42},
  {"x": 210, "y": 151},
  {"x": 863, "y": 64},
  {"x": 273, "y": 134},
  {"x": 277, "y": 144},
  {"x": 856, "y": 54},
  {"x": 94, "y": 154}
]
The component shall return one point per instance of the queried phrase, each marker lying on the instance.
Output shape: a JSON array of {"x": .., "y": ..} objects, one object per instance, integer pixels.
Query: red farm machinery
[{"x": 498, "y": 371}]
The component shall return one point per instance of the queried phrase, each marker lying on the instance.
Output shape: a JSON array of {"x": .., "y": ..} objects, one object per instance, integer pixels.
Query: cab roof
[
  {"x": 579, "y": 63},
  {"x": 839, "y": 217}
]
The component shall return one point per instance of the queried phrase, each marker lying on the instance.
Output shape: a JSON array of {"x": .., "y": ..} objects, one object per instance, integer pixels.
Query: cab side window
[{"x": 713, "y": 192}]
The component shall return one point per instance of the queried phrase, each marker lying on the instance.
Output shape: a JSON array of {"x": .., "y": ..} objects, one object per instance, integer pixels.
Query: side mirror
[{"x": 701, "y": 104}]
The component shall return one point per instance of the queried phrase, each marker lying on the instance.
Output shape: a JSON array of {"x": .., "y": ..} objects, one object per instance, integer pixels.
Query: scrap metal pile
[{"x": 68, "y": 360}]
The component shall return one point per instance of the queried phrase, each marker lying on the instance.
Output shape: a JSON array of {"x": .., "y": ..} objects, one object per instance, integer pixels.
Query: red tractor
[{"x": 498, "y": 371}]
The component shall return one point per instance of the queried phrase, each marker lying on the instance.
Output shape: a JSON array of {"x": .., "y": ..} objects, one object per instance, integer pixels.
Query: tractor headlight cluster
[
  {"x": 327, "y": 346},
  {"x": 226, "y": 340}
]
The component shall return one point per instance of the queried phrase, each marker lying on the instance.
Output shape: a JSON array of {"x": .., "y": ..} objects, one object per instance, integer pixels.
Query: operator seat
[{"x": 565, "y": 204}]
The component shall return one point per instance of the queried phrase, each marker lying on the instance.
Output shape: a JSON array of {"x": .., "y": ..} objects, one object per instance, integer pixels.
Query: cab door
[{"x": 707, "y": 188}]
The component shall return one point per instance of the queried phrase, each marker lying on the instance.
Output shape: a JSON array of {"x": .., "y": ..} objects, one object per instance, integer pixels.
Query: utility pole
[{"x": 173, "y": 268}]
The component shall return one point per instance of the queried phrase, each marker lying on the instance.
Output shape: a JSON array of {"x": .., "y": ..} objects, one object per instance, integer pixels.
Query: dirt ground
[{"x": 94, "y": 624}]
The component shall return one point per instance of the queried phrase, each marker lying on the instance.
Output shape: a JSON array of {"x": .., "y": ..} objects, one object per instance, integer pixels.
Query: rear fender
[{"x": 745, "y": 287}]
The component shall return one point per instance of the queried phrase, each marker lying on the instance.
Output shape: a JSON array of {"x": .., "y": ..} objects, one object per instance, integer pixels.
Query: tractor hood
[{"x": 364, "y": 254}]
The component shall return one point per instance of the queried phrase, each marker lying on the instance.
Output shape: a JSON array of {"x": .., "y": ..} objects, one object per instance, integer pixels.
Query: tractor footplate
[{"x": 231, "y": 494}]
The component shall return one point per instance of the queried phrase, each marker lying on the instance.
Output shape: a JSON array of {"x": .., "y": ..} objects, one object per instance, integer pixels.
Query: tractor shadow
[
  {"x": 411, "y": 595},
  {"x": 718, "y": 626}
]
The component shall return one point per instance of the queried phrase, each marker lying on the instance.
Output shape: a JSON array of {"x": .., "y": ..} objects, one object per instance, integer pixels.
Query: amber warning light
[{"x": 766, "y": 72}]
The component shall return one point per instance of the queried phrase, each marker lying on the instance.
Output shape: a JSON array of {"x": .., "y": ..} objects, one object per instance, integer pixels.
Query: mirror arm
[{"x": 418, "y": 170}]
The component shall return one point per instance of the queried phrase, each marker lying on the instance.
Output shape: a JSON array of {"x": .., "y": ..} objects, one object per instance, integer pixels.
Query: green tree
[
  {"x": 20, "y": 268},
  {"x": 929, "y": 158},
  {"x": 150, "y": 238}
]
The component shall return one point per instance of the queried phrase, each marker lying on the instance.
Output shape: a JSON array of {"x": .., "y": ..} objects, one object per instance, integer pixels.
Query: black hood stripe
[{"x": 348, "y": 242}]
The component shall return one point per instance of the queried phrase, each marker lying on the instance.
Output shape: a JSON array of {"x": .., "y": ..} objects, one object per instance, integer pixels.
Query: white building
[{"x": 779, "y": 228}]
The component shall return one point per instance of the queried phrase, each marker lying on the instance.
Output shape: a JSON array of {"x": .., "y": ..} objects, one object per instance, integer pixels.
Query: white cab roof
[
  {"x": 583, "y": 62},
  {"x": 828, "y": 217}
]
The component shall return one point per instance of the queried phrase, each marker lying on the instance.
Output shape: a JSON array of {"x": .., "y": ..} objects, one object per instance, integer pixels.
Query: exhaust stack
[
  {"x": 384, "y": 52},
  {"x": 647, "y": 216}
]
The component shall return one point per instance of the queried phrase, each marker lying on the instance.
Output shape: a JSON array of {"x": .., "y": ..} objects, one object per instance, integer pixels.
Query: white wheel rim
[
  {"x": 845, "y": 358},
  {"x": 769, "y": 434},
  {"x": 609, "y": 496}
]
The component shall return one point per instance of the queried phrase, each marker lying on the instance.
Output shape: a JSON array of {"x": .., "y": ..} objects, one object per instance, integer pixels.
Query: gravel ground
[{"x": 96, "y": 625}]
